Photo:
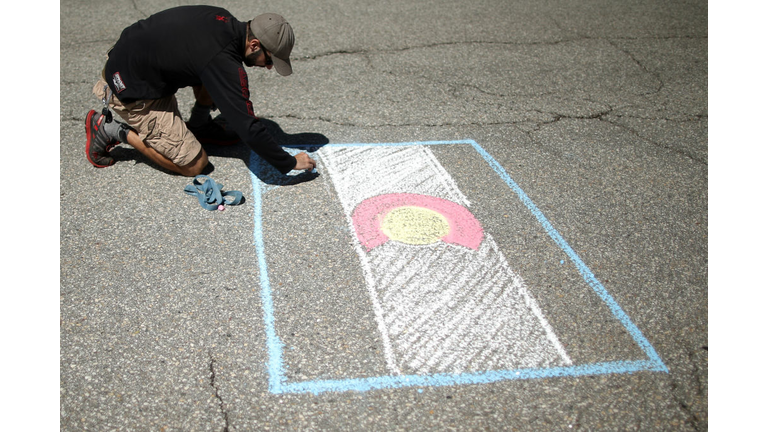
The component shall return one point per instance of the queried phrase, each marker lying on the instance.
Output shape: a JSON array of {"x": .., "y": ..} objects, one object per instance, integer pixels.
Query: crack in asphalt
[
  {"x": 639, "y": 64},
  {"x": 682, "y": 152},
  {"x": 222, "y": 405},
  {"x": 554, "y": 117},
  {"x": 537, "y": 124},
  {"x": 136, "y": 7},
  {"x": 692, "y": 418},
  {"x": 364, "y": 51},
  {"x": 600, "y": 115}
]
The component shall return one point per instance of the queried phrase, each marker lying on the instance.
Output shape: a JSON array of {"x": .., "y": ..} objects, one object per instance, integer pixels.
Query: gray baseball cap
[{"x": 276, "y": 35}]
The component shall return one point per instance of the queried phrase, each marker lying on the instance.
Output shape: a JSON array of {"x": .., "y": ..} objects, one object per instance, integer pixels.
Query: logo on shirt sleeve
[
  {"x": 245, "y": 92},
  {"x": 117, "y": 80}
]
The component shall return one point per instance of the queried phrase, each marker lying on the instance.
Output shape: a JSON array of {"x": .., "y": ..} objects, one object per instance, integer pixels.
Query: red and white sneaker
[{"x": 98, "y": 143}]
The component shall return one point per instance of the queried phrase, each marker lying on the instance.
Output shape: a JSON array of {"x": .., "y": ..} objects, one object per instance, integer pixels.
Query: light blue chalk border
[{"x": 278, "y": 383}]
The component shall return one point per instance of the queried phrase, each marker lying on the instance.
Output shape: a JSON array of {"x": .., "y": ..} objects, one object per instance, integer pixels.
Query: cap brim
[{"x": 283, "y": 67}]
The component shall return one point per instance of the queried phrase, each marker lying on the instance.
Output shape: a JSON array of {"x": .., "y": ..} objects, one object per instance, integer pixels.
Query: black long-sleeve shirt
[{"x": 190, "y": 46}]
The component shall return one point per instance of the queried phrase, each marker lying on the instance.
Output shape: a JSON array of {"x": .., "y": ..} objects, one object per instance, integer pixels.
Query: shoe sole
[{"x": 89, "y": 137}]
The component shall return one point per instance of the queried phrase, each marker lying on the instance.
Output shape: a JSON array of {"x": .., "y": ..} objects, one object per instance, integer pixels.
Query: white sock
[{"x": 113, "y": 129}]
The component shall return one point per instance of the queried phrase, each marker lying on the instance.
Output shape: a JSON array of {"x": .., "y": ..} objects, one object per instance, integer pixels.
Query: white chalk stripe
[
  {"x": 368, "y": 275},
  {"x": 369, "y": 279},
  {"x": 534, "y": 306}
]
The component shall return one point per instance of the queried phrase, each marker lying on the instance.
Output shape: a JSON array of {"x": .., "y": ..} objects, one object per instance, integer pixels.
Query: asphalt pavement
[{"x": 576, "y": 133}]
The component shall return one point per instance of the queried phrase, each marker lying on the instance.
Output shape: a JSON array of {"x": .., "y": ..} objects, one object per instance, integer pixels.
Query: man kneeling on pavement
[{"x": 202, "y": 47}]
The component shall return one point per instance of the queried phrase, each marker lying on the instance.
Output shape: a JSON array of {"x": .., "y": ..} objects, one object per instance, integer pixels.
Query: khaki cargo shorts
[{"x": 158, "y": 123}]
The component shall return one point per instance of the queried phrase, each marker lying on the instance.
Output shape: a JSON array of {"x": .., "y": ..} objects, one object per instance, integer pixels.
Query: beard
[{"x": 250, "y": 60}]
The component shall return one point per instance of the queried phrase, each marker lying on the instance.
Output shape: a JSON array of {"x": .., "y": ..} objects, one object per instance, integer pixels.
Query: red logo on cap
[{"x": 222, "y": 18}]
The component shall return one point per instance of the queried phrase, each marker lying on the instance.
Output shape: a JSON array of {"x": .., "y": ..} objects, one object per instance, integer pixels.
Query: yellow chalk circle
[{"x": 415, "y": 225}]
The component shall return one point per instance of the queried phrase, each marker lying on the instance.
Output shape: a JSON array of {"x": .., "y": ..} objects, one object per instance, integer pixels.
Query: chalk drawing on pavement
[
  {"x": 414, "y": 219},
  {"x": 448, "y": 306},
  {"x": 439, "y": 308}
]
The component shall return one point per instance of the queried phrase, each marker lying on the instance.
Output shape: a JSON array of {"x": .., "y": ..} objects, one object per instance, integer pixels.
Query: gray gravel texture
[{"x": 597, "y": 109}]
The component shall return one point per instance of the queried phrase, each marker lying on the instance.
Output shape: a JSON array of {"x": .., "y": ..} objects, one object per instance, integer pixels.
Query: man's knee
[{"x": 196, "y": 166}]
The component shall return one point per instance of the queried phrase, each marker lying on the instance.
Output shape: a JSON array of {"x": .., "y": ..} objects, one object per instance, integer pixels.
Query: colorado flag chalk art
[
  {"x": 445, "y": 298},
  {"x": 448, "y": 306}
]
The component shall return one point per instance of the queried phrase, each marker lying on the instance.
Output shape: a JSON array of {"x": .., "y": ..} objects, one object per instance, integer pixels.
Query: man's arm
[{"x": 227, "y": 83}]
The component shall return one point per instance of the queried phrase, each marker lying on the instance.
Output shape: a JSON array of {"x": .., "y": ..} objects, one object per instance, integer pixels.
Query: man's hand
[{"x": 304, "y": 162}]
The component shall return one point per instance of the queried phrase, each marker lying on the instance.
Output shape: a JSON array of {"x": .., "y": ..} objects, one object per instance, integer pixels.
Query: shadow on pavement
[{"x": 307, "y": 141}]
